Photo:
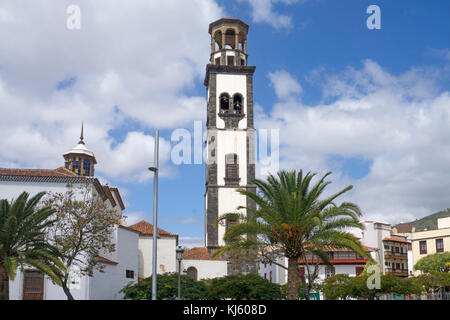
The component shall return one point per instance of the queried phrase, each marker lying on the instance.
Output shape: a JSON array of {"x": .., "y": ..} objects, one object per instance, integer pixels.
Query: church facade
[{"x": 230, "y": 157}]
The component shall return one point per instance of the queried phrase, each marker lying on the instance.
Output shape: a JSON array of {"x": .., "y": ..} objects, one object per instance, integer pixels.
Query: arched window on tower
[
  {"x": 224, "y": 101},
  {"x": 237, "y": 103},
  {"x": 230, "y": 39},
  {"x": 192, "y": 273}
]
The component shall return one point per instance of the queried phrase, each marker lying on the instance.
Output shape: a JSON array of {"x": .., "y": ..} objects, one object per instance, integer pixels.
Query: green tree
[
  {"x": 290, "y": 217},
  {"x": 82, "y": 230},
  {"x": 337, "y": 287},
  {"x": 243, "y": 287},
  {"x": 439, "y": 262},
  {"x": 166, "y": 288},
  {"x": 22, "y": 240}
]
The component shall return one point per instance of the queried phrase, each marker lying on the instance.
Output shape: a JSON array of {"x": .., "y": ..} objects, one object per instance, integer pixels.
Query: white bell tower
[{"x": 230, "y": 132}]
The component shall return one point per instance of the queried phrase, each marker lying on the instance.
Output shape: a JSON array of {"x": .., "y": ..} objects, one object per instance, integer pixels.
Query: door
[{"x": 33, "y": 285}]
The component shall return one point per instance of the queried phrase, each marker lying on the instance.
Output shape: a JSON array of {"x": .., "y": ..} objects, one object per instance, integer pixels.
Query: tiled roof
[
  {"x": 396, "y": 240},
  {"x": 59, "y": 175},
  {"x": 104, "y": 260},
  {"x": 59, "y": 172},
  {"x": 146, "y": 228},
  {"x": 198, "y": 253},
  {"x": 404, "y": 227}
]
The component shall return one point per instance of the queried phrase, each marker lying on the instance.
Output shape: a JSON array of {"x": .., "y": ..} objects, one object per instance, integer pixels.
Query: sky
[{"x": 370, "y": 105}]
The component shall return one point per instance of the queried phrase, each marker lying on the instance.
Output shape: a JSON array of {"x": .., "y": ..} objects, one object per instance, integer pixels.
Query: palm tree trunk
[
  {"x": 4, "y": 283},
  {"x": 292, "y": 285}
]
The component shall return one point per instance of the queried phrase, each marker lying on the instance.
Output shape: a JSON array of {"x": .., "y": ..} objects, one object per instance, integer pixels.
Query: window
[
  {"x": 265, "y": 275},
  {"x": 129, "y": 274},
  {"x": 231, "y": 166},
  {"x": 192, "y": 273},
  {"x": 423, "y": 247},
  {"x": 329, "y": 272},
  {"x": 86, "y": 166},
  {"x": 33, "y": 285},
  {"x": 270, "y": 276},
  {"x": 237, "y": 103},
  {"x": 439, "y": 245},
  {"x": 230, "y": 60},
  {"x": 217, "y": 60},
  {"x": 224, "y": 103},
  {"x": 359, "y": 270}
]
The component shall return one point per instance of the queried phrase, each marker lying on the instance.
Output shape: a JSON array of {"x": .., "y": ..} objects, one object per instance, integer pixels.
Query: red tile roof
[
  {"x": 104, "y": 260},
  {"x": 198, "y": 253},
  {"x": 146, "y": 228},
  {"x": 59, "y": 172}
]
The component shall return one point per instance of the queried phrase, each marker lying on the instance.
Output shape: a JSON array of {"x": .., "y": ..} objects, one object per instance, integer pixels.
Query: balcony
[
  {"x": 397, "y": 272},
  {"x": 395, "y": 255}
]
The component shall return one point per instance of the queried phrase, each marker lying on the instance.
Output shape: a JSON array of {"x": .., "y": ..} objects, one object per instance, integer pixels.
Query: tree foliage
[
  {"x": 236, "y": 287},
  {"x": 437, "y": 262},
  {"x": 82, "y": 229},
  {"x": 22, "y": 240},
  {"x": 243, "y": 287},
  {"x": 342, "y": 287},
  {"x": 166, "y": 288},
  {"x": 291, "y": 217}
]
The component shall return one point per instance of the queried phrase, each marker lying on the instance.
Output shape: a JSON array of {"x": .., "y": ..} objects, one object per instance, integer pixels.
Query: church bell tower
[{"x": 230, "y": 158}]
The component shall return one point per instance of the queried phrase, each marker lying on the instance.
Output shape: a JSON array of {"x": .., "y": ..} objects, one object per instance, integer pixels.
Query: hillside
[{"x": 430, "y": 222}]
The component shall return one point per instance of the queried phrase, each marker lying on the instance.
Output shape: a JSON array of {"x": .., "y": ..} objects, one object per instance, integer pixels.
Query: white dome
[{"x": 80, "y": 148}]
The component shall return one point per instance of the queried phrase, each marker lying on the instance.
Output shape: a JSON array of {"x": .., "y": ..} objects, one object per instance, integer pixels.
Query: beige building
[{"x": 431, "y": 241}]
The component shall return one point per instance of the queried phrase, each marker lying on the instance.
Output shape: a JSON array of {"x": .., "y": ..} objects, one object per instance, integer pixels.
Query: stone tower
[
  {"x": 80, "y": 159},
  {"x": 230, "y": 158}
]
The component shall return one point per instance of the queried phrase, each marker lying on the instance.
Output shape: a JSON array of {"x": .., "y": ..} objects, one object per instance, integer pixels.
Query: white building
[
  {"x": 166, "y": 249},
  {"x": 120, "y": 267},
  {"x": 198, "y": 264},
  {"x": 394, "y": 251}
]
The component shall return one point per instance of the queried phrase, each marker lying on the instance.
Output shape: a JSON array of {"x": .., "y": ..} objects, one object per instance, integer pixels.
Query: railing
[
  {"x": 396, "y": 271},
  {"x": 398, "y": 255}
]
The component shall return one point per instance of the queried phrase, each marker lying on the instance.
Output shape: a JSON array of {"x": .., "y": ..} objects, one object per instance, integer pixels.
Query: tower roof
[{"x": 227, "y": 22}]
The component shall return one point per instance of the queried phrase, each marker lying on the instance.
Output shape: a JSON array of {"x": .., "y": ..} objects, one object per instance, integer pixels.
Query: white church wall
[
  {"x": 107, "y": 284},
  {"x": 206, "y": 269},
  {"x": 166, "y": 255},
  {"x": 231, "y": 142}
]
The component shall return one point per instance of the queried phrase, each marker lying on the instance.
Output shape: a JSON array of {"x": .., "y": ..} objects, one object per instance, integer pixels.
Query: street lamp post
[
  {"x": 155, "y": 169},
  {"x": 180, "y": 251}
]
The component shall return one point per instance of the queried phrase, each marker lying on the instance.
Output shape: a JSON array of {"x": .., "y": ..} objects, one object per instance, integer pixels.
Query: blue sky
[{"x": 370, "y": 105}]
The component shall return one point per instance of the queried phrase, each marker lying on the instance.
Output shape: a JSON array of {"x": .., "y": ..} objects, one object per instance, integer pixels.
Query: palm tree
[
  {"x": 22, "y": 240},
  {"x": 290, "y": 217}
]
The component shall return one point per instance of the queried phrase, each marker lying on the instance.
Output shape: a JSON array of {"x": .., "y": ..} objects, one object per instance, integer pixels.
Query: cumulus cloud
[
  {"x": 399, "y": 124},
  {"x": 130, "y": 61}
]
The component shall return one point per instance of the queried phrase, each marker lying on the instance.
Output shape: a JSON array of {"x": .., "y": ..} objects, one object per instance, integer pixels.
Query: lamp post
[
  {"x": 180, "y": 251},
  {"x": 155, "y": 169}
]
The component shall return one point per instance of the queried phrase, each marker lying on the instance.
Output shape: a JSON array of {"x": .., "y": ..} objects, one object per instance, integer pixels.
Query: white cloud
[
  {"x": 263, "y": 11},
  {"x": 134, "y": 60},
  {"x": 192, "y": 242},
  {"x": 285, "y": 85},
  {"x": 400, "y": 123},
  {"x": 135, "y": 217}
]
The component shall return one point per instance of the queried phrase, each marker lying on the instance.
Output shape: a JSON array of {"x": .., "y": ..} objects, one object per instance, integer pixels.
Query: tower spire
[{"x": 81, "y": 135}]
